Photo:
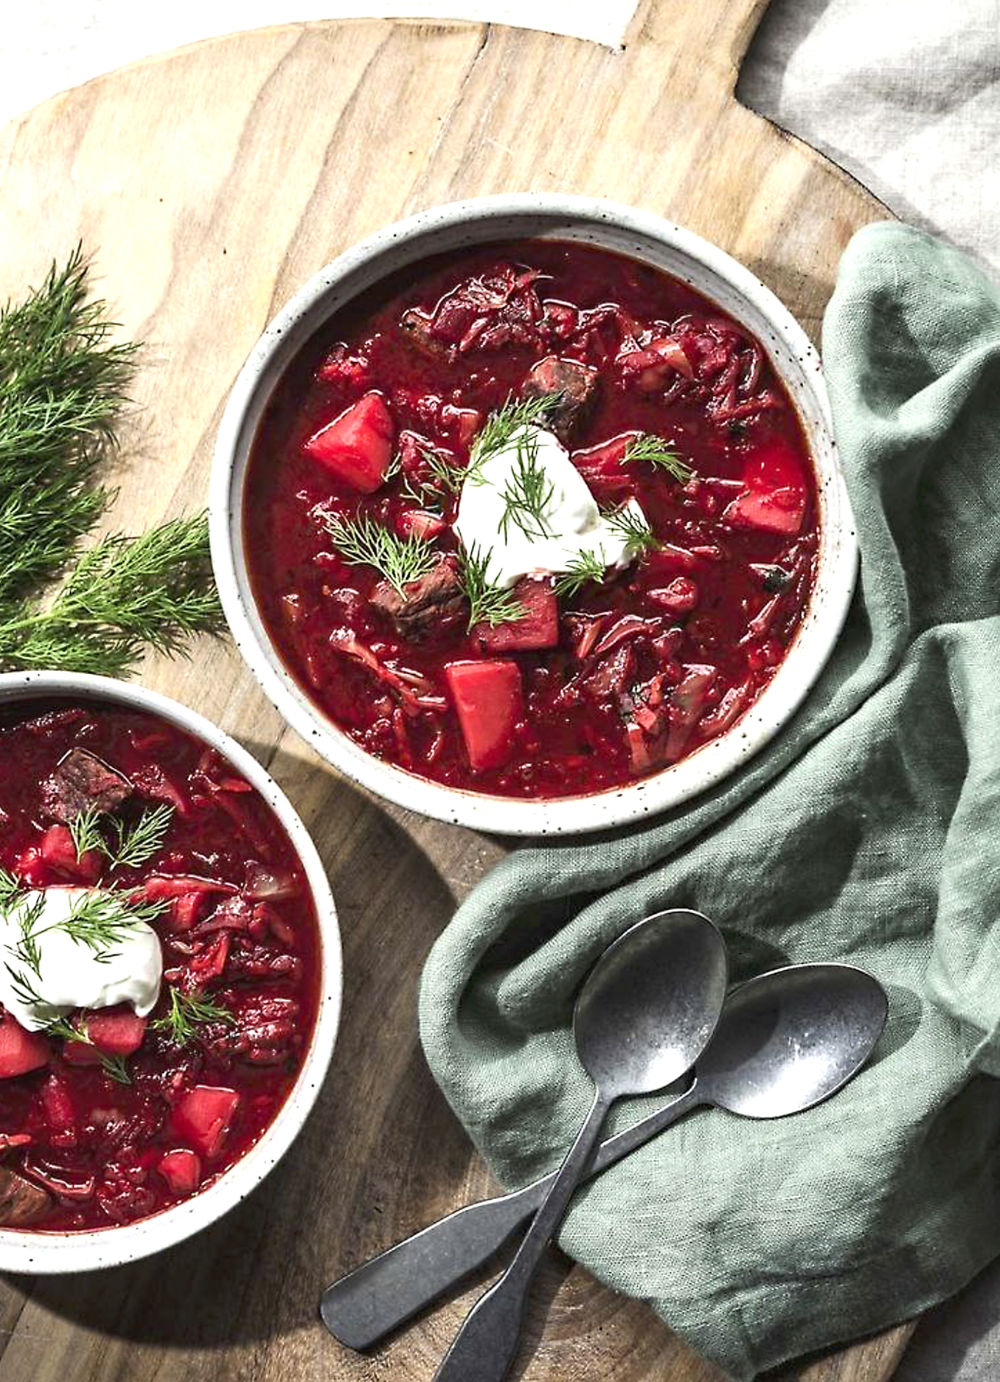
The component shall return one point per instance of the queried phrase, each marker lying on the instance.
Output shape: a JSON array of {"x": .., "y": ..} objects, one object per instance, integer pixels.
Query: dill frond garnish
[
  {"x": 102, "y": 920},
  {"x": 63, "y": 388},
  {"x": 503, "y": 422},
  {"x": 363, "y": 542},
  {"x": 444, "y": 479},
  {"x": 85, "y": 831},
  {"x": 633, "y": 528},
  {"x": 528, "y": 491},
  {"x": 189, "y": 1011},
  {"x": 135, "y": 844},
  {"x": 61, "y": 1028},
  {"x": 659, "y": 452},
  {"x": 585, "y": 566},
  {"x": 488, "y": 603},
  {"x": 12, "y": 889}
]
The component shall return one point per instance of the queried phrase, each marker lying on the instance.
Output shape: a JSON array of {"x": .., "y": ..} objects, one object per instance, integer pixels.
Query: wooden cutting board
[{"x": 209, "y": 184}]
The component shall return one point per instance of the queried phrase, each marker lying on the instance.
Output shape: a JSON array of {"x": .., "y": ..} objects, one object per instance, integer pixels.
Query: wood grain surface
[{"x": 209, "y": 184}]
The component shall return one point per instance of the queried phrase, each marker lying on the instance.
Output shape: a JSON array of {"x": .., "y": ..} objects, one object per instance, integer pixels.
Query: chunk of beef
[
  {"x": 417, "y": 326},
  {"x": 82, "y": 780},
  {"x": 576, "y": 386},
  {"x": 21, "y": 1202},
  {"x": 432, "y": 602}
]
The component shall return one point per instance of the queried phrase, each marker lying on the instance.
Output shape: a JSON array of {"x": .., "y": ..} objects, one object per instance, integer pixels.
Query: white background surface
[
  {"x": 60, "y": 43},
  {"x": 904, "y": 93}
]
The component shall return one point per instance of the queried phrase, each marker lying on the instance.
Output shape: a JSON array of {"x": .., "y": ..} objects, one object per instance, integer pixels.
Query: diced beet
[
  {"x": 537, "y": 628},
  {"x": 203, "y": 1116},
  {"x": 774, "y": 466},
  {"x": 774, "y": 497},
  {"x": 81, "y": 782},
  {"x": 20, "y": 1051},
  {"x": 80, "y": 1053},
  {"x": 776, "y": 511},
  {"x": 59, "y": 852},
  {"x": 21, "y": 1202},
  {"x": 181, "y": 1169},
  {"x": 488, "y": 700},
  {"x": 357, "y": 445},
  {"x": 116, "y": 1031}
]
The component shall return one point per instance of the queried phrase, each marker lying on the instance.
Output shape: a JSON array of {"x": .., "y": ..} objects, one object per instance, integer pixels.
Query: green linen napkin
[{"x": 867, "y": 831}]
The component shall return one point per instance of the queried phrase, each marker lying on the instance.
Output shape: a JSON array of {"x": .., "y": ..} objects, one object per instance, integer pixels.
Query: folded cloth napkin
[{"x": 866, "y": 831}]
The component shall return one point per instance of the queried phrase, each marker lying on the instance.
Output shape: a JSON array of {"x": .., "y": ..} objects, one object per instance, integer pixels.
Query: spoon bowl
[
  {"x": 651, "y": 1003},
  {"x": 789, "y": 1039}
]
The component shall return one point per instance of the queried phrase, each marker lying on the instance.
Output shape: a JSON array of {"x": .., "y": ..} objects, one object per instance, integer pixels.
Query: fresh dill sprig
[
  {"x": 584, "y": 567},
  {"x": 659, "y": 452},
  {"x": 501, "y": 425},
  {"x": 116, "y": 1067},
  {"x": 63, "y": 388},
  {"x": 102, "y": 920},
  {"x": 187, "y": 1012},
  {"x": 633, "y": 528},
  {"x": 123, "y": 595},
  {"x": 63, "y": 384},
  {"x": 85, "y": 830},
  {"x": 27, "y": 950},
  {"x": 135, "y": 844},
  {"x": 528, "y": 492},
  {"x": 12, "y": 889},
  {"x": 98, "y": 920},
  {"x": 363, "y": 542},
  {"x": 488, "y": 603},
  {"x": 444, "y": 478}
]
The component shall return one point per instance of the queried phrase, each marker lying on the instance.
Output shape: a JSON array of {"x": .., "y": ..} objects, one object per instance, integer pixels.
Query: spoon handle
[
  {"x": 368, "y": 1304},
  {"x": 484, "y": 1347}
]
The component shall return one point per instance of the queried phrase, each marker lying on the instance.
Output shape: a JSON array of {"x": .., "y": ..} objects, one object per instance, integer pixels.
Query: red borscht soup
[
  {"x": 531, "y": 519},
  {"x": 160, "y": 958}
]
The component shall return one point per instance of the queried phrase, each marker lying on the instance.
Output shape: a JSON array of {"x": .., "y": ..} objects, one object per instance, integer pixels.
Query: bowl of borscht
[
  {"x": 170, "y": 973},
  {"x": 527, "y": 515}
]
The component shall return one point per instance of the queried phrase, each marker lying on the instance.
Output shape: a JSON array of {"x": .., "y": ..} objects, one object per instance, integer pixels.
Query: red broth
[
  {"x": 91, "y": 1148},
  {"x": 645, "y": 667}
]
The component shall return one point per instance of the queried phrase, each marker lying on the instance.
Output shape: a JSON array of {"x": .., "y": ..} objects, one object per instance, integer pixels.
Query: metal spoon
[
  {"x": 786, "y": 1041},
  {"x": 643, "y": 1017}
]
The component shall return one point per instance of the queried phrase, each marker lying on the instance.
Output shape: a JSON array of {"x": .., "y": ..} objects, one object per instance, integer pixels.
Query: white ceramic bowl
[
  {"x": 640, "y": 235},
  {"x": 42, "y": 1252}
]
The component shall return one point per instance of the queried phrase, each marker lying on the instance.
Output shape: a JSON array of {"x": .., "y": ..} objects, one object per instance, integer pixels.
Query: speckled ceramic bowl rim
[
  {"x": 43, "y": 1252},
  {"x": 644, "y": 236}
]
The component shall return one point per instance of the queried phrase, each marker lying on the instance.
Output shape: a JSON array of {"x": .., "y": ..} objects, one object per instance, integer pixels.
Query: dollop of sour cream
[
  {"x": 569, "y": 524},
  {"x": 70, "y": 974}
]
